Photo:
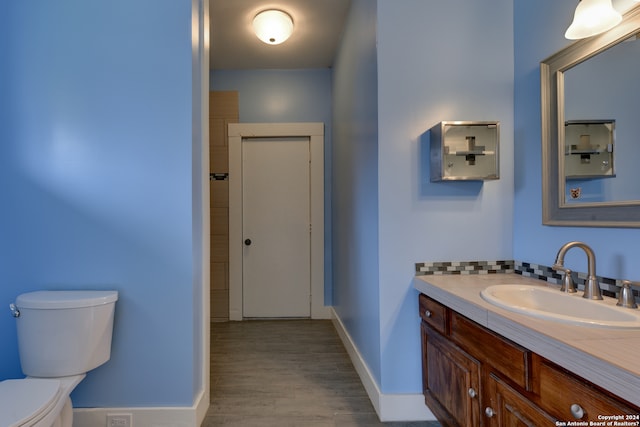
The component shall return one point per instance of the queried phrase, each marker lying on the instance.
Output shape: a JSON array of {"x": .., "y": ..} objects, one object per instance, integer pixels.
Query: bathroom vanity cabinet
[{"x": 474, "y": 377}]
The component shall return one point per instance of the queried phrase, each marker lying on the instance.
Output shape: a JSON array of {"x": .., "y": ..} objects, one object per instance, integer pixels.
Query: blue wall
[
  {"x": 285, "y": 96},
  {"x": 355, "y": 184},
  {"x": 387, "y": 215},
  {"x": 437, "y": 61},
  {"x": 279, "y": 95},
  {"x": 96, "y": 172},
  {"x": 539, "y": 32}
]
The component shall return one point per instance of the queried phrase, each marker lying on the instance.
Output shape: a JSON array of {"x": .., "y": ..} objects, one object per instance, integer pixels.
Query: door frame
[{"x": 315, "y": 132}]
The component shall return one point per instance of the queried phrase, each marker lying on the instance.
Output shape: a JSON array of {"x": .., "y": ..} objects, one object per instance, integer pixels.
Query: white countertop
[{"x": 609, "y": 358}]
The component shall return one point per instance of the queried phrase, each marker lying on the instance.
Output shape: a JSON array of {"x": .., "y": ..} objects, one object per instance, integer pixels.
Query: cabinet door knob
[
  {"x": 577, "y": 411},
  {"x": 472, "y": 393},
  {"x": 427, "y": 313},
  {"x": 489, "y": 412}
]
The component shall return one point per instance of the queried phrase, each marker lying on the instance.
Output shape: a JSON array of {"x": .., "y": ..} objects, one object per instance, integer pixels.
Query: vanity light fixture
[
  {"x": 592, "y": 17},
  {"x": 273, "y": 26}
]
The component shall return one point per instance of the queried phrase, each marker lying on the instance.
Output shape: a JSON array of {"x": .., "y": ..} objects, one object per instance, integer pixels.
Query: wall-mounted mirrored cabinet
[
  {"x": 588, "y": 149},
  {"x": 464, "y": 151}
]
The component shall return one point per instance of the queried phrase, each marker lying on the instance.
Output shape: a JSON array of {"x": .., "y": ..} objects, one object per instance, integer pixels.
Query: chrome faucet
[{"x": 591, "y": 286}]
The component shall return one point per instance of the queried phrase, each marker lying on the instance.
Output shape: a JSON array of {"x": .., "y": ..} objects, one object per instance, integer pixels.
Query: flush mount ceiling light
[
  {"x": 273, "y": 26},
  {"x": 592, "y": 17}
]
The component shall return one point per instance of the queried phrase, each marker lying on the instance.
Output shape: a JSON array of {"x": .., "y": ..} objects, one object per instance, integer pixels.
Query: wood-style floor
[{"x": 286, "y": 373}]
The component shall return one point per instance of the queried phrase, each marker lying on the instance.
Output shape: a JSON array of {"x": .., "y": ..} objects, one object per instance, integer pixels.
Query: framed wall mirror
[{"x": 591, "y": 130}]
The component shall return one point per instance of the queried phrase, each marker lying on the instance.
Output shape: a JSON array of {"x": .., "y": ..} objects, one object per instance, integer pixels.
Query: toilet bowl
[
  {"x": 61, "y": 336},
  {"x": 37, "y": 402}
]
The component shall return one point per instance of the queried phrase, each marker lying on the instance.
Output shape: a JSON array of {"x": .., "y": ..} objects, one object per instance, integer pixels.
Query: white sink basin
[{"x": 551, "y": 304}]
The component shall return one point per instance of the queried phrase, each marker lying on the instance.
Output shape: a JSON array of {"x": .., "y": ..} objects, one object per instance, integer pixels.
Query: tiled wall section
[
  {"x": 609, "y": 286},
  {"x": 223, "y": 109},
  {"x": 464, "y": 267}
]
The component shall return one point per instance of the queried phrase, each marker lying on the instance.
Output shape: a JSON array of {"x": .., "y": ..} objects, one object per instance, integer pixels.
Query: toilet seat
[{"x": 26, "y": 401}]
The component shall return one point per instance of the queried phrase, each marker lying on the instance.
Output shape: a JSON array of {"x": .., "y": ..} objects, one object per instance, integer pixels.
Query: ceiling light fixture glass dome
[{"x": 273, "y": 26}]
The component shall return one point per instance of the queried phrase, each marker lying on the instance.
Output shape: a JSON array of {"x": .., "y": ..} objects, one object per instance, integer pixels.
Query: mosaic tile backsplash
[
  {"x": 610, "y": 287},
  {"x": 464, "y": 267}
]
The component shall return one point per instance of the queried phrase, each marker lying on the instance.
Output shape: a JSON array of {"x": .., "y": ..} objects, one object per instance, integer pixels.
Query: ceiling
[{"x": 318, "y": 26}]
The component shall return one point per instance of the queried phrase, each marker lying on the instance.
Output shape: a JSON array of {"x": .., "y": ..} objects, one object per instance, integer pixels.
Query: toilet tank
[{"x": 62, "y": 333}]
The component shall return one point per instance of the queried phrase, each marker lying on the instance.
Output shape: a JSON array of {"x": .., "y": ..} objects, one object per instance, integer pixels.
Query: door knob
[{"x": 247, "y": 242}]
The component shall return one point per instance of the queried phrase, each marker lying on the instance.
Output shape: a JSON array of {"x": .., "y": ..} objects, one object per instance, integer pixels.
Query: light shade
[
  {"x": 273, "y": 26},
  {"x": 592, "y": 17}
]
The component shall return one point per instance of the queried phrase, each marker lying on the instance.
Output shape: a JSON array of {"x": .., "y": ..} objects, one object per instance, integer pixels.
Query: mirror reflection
[
  {"x": 601, "y": 161},
  {"x": 592, "y": 82}
]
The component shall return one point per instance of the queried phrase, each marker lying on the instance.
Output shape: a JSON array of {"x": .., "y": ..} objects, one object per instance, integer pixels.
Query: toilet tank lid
[{"x": 50, "y": 300}]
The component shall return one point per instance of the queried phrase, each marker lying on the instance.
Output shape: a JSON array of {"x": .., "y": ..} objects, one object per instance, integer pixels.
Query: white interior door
[{"x": 276, "y": 267}]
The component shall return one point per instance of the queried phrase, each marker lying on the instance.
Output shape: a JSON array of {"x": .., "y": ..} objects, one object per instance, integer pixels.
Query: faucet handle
[
  {"x": 567, "y": 282},
  {"x": 626, "y": 298}
]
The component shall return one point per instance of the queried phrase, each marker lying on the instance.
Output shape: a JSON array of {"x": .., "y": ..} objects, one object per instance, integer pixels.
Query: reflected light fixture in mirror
[
  {"x": 273, "y": 26},
  {"x": 592, "y": 17}
]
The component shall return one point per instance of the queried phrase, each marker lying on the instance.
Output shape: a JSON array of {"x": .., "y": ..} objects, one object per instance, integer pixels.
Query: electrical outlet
[{"x": 119, "y": 420}]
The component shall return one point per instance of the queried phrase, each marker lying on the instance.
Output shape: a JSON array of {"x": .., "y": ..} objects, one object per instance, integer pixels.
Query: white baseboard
[
  {"x": 202, "y": 404},
  {"x": 324, "y": 312},
  {"x": 389, "y": 407},
  {"x": 147, "y": 417}
]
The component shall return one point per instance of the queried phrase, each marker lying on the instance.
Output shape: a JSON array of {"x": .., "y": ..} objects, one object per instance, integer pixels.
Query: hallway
[{"x": 286, "y": 373}]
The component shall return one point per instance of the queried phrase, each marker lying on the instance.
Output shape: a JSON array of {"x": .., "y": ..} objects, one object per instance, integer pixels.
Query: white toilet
[{"x": 61, "y": 336}]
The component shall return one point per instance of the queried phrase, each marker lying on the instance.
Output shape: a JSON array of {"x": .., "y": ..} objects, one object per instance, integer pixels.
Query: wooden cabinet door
[
  {"x": 451, "y": 381},
  {"x": 560, "y": 391},
  {"x": 505, "y": 407}
]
